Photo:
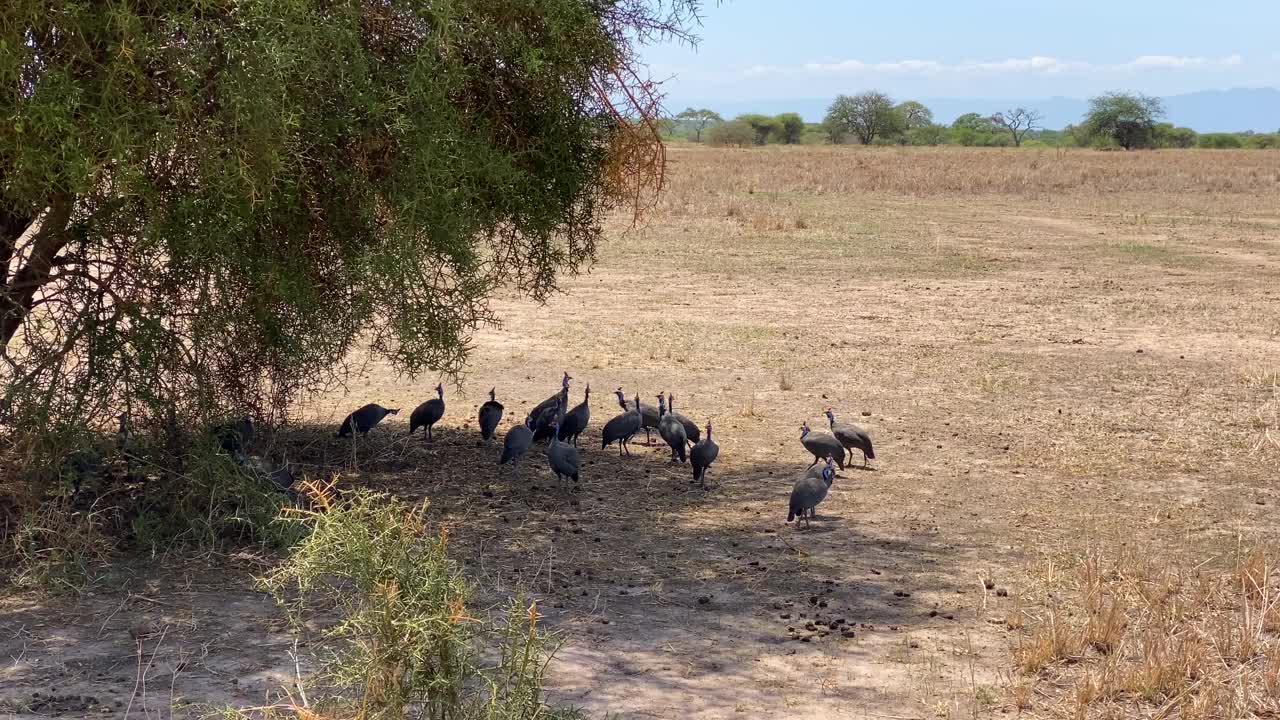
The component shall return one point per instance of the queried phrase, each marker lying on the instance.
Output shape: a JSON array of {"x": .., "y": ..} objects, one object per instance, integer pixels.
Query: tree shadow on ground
[{"x": 671, "y": 599}]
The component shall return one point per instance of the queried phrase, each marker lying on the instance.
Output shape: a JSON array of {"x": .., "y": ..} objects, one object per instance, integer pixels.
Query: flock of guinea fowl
[{"x": 552, "y": 421}]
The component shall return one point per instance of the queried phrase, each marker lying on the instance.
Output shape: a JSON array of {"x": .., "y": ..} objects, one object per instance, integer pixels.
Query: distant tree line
[{"x": 1129, "y": 121}]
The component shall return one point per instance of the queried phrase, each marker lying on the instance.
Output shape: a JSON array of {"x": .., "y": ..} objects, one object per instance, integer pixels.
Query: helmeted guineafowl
[
  {"x": 562, "y": 397},
  {"x": 544, "y": 425},
  {"x": 490, "y": 415},
  {"x": 851, "y": 436},
  {"x": 517, "y": 442},
  {"x": 621, "y": 427},
  {"x": 575, "y": 421},
  {"x": 702, "y": 455},
  {"x": 690, "y": 427},
  {"x": 821, "y": 444},
  {"x": 672, "y": 431},
  {"x": 648, "y": 415},
  {"x": 562, "y": 457},
  {"x": 428, "y": 413},
  {"x": 233, "y": 437},
  {"x": 810, "y": 490},
  {"x": 364, "y": 419}
]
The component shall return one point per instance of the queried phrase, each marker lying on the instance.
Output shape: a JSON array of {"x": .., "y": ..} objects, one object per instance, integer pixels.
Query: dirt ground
[{"x": 1075, "y": 357}]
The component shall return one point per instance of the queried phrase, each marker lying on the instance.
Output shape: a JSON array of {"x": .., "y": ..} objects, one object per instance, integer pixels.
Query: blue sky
[{"x": 759, "y": 50}]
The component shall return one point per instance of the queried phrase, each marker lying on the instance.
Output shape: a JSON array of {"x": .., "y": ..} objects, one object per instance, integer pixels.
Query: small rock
[
  {"x": 704, "y": 600},
  {"x": 1002, "y": 593}
]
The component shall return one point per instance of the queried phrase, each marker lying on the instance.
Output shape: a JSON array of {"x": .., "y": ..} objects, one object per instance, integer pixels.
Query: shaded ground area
[{"x": 1042, "y": 367}]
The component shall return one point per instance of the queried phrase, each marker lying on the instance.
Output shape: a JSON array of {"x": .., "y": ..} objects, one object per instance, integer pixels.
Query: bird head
[
  {"x": 804, "y": 429},
  {"x": 440, "y": 390},
  {"x": 565, "y": 382},
  {"x": 493, "y": 394},
  {"x": 587, "y": 392},
  {"x": 831, "y": 417},
  {"x": 708, "y": 431},
  {"x": 393, "y": 411}
]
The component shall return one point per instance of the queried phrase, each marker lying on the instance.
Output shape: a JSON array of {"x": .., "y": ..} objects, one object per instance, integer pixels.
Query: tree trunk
[{"x": 18, "y": 294}]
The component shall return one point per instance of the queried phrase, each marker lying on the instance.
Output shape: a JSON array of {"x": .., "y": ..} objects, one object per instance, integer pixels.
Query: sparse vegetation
[
  {"x": 405, "y": 635},
  {"x": 1134, "y": 633}
]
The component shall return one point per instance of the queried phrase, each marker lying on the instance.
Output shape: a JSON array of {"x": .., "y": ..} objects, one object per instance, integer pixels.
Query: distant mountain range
[{"x": 1234, "y": 110}]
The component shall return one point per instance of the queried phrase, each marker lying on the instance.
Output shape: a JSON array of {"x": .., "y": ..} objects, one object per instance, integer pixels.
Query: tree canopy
[
  {"x": 790, "y": 126},
  {"x": 1129, "y": 119},
  {"x": 865, "y": 116},
  {"x": 698, "y": 120},
  {"x": 212, "y": 203}
]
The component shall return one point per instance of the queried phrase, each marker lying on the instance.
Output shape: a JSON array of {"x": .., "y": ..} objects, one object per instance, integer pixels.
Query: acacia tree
[
  {"x": 915, "y": 116},
  {"x": 1127, "y": 118},
  {"x": 1018, "y": 122},
  {"x": 866, "y": 116},
  {"x": 763, "y": 126},
  {"x": 208, "y": 205},
  {"x": 698, "y": 120},
  {"x": 790, "y": 127}
]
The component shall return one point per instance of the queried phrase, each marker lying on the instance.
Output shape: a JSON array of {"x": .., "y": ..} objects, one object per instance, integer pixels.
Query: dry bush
[
  {"x": 1135, "y": 634},
  {"x": 54, "y": 547}
]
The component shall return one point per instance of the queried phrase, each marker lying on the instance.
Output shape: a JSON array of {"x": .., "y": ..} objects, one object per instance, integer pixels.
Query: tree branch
[{"x": 16, "y": 299}]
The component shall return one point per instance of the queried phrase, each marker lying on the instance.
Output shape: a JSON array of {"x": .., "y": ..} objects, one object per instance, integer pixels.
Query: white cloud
[
  {"x": 1035, "y": 64},
  {"x": 1174, "y": 61}
]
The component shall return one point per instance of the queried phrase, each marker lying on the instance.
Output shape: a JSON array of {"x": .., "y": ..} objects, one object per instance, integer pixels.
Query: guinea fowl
[
  {"x": 562, "y": 457},
  {"x": 703, "y": 454},
  {"x": 517, "y": 442},
  {"x": 575, "y": 421},
  {"x": 821, "y": 444},
  {"x": 364, "y": 419},
  {"x": 490, "y": 415},
  {"x": 561, "y": 397},
  {"x": 648, "y": 415},
  {"x": 428, "y": 413},
  {"x": 544, "y": 425},
  {"x": 810, "y": 490},
  {"x": 672, "y": 431},
  {"x": 233, "y": 437},
  {"x": 621, "y": 427},
  {"x": 690, "y": 427},
  {"x": 851, "y": 436}
]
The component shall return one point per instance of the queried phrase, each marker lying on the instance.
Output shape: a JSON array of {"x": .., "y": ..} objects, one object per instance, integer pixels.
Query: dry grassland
[{"x": 1070, "y": 364}]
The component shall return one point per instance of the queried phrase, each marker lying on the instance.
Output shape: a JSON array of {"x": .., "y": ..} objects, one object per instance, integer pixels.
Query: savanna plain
[{"x": 1069, "y": 362}]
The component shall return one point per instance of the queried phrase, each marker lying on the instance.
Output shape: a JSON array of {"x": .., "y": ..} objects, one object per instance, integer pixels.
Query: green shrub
[
  {"x": 404, "y": 636},
  {"x": 734, "y": 133},
  {"x": 1220, "y": 141},
  {"x": 213, "y": 502}
]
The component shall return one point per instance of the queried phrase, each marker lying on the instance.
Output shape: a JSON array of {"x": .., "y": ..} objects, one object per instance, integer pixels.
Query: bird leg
[{"x": 815, "y": 462}]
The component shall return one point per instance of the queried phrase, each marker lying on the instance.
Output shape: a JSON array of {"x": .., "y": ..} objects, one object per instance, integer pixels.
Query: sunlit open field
[{"x": 1069, "y": 363}]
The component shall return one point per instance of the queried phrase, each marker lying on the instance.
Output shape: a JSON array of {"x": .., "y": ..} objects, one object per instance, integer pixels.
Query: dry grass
[
  {"x": 1137, "y": 634},
  {"x": 947, "y": 171}
]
